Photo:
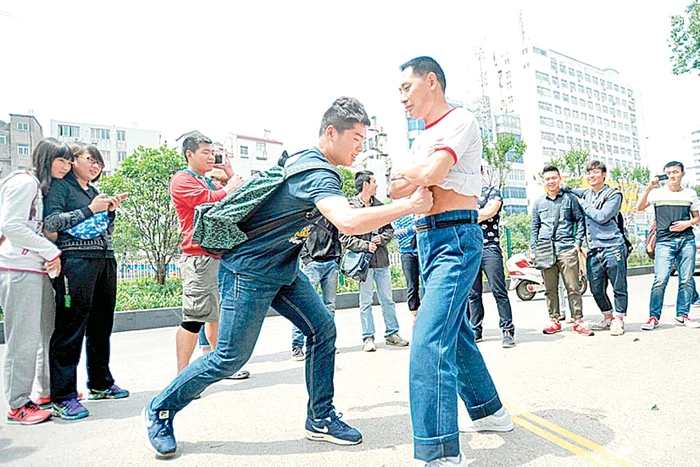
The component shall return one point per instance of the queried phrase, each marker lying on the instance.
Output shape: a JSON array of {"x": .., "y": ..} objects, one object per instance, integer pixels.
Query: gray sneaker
[
  {"x": 604, "y": 324},
  {"x": 368, "y": 345},
  {"x": 396, "y": 340},
  {"x": 298, "y": 354},
  {"x": 508, "y": 340}
]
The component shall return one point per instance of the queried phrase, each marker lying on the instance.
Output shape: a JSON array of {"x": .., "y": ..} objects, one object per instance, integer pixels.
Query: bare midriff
[{"x": 450, "y": 200}]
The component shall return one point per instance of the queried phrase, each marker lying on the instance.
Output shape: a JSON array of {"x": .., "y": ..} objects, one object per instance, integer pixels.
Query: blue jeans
[
  {"x": 492, "y": 266},
  {"x": 605, "y": 265},
  {"x": 445, "y": 361},
  {"x": 680, "y": 251},
  {"x": 381, "y": 277},
  {"x": 326, "y": 274},
  {"x": 244, "y": 304},
  {"x": 411, "y": 270}
]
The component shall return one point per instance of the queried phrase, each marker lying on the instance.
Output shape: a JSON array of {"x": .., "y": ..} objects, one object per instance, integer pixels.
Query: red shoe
[
  {"x": 45, "y": 402},
  {"x": 554, "y": 328},
  {"x": 29, "y": 414},
  {"x": 582, "y": 328}
]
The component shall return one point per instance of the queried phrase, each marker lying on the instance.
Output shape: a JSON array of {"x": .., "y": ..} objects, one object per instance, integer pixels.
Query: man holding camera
[
  {"x": 676, "y": 212},
  {"x": 200, "y": 296}
]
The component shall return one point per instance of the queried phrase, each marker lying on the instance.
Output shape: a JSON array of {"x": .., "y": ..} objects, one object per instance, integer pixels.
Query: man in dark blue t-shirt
[{"x": 263, "y": 272}]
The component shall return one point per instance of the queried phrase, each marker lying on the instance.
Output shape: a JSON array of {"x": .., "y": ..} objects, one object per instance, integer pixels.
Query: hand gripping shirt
[{"x": 456, "y": 132}]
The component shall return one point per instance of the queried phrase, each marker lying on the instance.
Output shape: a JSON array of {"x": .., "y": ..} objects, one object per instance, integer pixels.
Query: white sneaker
[
  {"x": 617, "y": 327},
  {"x": 500, "y": 422},
  {"x": 368, "y": 345},
  {"x": 442, "y": 462},
  {"x": 687, "y": 322}
]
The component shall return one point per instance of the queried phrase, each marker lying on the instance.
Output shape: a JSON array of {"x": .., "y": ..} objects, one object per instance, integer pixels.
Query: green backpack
[{"x": 216, "y": 227}]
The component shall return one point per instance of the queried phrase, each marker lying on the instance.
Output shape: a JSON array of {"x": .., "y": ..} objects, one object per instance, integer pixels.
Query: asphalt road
[{"x": 602, "y": 400}]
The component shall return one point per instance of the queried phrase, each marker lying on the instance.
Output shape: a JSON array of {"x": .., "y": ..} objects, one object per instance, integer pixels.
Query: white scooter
[{"x": 528, "y": 281}]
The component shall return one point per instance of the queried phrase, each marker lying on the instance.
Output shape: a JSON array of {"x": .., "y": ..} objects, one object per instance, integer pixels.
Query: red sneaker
[
  {"x": 554, "y": 328},
  {"x": 29, "y": 414},
  {"x": 45, "y": 402},
  {"x": 582, "y": 328}
]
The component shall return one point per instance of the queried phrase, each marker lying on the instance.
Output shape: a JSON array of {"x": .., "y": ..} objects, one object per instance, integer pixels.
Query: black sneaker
[
  {"x": 478, "y": 337},
  {"x": 113, "y": 392},
  {"x": 508, "y": 340},
  {"x": 333, "y": 430},
  {"x": 160, "y": 437},
  {"x": 298, "y": 354}
]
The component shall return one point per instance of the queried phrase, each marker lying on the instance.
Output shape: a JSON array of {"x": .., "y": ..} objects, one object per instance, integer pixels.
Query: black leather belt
[{"x": 442, "y": 224}]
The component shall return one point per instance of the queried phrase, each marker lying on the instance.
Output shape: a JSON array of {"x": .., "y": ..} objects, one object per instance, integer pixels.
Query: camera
[
  {"x": 218, "y": 159},
  {"x": 662, "y": 177}
]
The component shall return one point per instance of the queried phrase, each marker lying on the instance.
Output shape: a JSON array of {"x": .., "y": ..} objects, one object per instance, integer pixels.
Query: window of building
[
  {"x": 562, "y": 68},
  {"x": 548, "y": 151},
  {"x": 572, "y": 86},
  {"x": 568, "y": 126},
  {"x": 560, "y": 124},
  {"x": 607, "y": 136},
  {"x": 70, "y": 131},
  {"x": 507, "y": 61},
  {"x": 570, "y": 140},
  {"x": 545, "y": 106},
  {"x": 99, "y": 133},
  {"x": 578, "y": 142},
  {"x": 572, "y": 72},
  {"x": 510, "y": 99},
  {"x": 565, "y": 97},
  {"x": 581, "y": 89},
  {"x": 614, "y": 137},
  {"x": 601, "y": 135},
  {"x": 539, "y": 51},
  {"x": 121, "y": 155},
  {"x": 591, "y": 118},
  {"x": 617, "y": 88},
  {"x": 243, "y": 152},
  {"x": 557, "y": 110},
  {"x": 588, "y": 78},
  {"x": 564, "y": 83},
  {"x": 575, "y": 114},
  {"x": 574, "y": 100},
  {"x": 553, "y": 64},
  {"x": 121, "y": 135},
  {"x": 595, "y": 146},
  {"x": 555, "y": 81},
  {"x": 606, "y": 122},
  {"x": 557, "y": 95},
  {"x": 584, "y": 130},
  {"x": 260, "y": 150},
  {"x": 579, "y": 75},
  {"x": 560, "y": 138},
  {"x": 597, "y": 107},
  {"x": 546, "y": 136},
  {"x": 546, "y": 121},
  {"x": 23, "y": 149},
  {"x": 605, "y": 109},
  {"x": 577, "y": 128},
  {"x": 22, "y": 126},
  {"x": 3, "y": 139},
  {"x": 609, "y": 85},
  {"x": 567, "y": 112},
  {"x": 542, "y": 91},
  {"x": 542, "y": 76}
]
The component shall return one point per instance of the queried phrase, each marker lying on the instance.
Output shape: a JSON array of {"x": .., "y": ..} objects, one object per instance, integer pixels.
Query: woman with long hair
[
  {"x": 27, "y": 259},
  {"x": 86, "y": 289}
]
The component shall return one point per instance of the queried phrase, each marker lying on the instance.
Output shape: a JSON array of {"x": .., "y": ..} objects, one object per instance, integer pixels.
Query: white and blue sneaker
[
  {"x": 333, "y": 430},
  {"x": 160, "y": 438}
]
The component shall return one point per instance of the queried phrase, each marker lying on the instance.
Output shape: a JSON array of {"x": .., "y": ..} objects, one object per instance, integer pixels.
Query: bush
[{"x": 143, "y": 294}]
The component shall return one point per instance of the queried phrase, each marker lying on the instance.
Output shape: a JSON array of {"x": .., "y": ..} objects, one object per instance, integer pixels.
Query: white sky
[{"x": 278, "y": 65}]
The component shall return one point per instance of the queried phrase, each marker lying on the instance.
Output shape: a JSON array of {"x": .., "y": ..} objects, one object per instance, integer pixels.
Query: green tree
[
  {"x": 629, "y": 181},
  {"x": 500, "y": 156},
  {"x": 348, "y": 182},
  {"x": 519, "y": 227},
  {"x": 147, "y": 221},
  {"x": 685, "y": 40}
]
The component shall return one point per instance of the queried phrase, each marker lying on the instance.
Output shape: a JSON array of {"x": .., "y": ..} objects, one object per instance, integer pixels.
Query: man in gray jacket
[
  {"x": 379, "y": 272},
  {"x": 607, "y": 257}
]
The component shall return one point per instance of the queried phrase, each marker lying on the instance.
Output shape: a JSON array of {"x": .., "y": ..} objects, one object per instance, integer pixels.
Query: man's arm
[
  {"x": 680, "y": 226},
  {"x": 400, "y": 188},
  {"x": 580, "y": 222},
  {"x": 492, "y": 206},
  {"x": 356, "y": 244},
  {"x": 534, "y": 228},
  {"x": 351, "y": 221},
  {"x": 609, "y": 209},
  {"x": 642, "y": 202},
  {"x": 430, "y": 171}
]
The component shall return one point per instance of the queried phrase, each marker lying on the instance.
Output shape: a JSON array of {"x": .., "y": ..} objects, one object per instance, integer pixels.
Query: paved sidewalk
[{"x": 579, "y": 401}]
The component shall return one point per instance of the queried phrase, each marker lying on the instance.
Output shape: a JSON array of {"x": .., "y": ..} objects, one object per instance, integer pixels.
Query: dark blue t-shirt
[{"x": 273, "y": 257}]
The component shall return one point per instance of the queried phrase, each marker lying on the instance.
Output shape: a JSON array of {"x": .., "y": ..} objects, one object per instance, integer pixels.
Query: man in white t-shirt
[
  {"x": 676, "y": 212},
  {"x": 445, "y": 361}
]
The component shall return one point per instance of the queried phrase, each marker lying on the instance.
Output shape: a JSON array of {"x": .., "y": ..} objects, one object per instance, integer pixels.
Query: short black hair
[
  {"x": 192, "y": 142},
  {"x": 361, "y": 177},
  {"x": 550, "y": 168},
  {"x": 422, "y": 66},
  {"x": 675, "y": 164},
  {"x": 343, "y": 114},
  {"x": 592, "y": 165}
]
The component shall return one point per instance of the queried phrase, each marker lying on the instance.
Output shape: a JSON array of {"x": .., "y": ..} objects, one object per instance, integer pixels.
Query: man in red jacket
[{"x": 200, "y": 295}]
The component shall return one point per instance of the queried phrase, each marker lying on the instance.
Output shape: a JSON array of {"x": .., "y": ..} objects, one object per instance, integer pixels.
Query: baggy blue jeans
[
  {"x": 382, "y": 279},
  {"x": 326, "y": 274},
  {"x": 445, "y": 361},
  {"x": 680, "y": 251},
  {"x": 608, "y": 265},
  {"x": 244, "y": 304}
]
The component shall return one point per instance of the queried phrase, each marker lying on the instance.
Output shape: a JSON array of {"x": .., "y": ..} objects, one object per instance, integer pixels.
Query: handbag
[
  {"x": 355, "y": 265},
  {"x": 545, "y": 252},
  {"x": 90, "y": 228}
]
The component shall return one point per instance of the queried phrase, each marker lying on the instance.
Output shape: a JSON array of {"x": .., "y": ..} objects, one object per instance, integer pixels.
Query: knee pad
[{"x": 192, "y": 326}]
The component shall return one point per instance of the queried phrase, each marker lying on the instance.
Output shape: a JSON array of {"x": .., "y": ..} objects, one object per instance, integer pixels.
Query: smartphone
[
  {"x": 218, "y": 159},
  {"x": 662, "y": 177}
]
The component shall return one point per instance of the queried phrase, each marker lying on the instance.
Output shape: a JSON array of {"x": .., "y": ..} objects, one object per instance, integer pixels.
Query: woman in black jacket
[{"x": 87, "y": 286}]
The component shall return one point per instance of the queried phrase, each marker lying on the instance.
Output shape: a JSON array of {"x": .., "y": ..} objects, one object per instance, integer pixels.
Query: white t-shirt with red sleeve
[{"x": 456, "y": 132}]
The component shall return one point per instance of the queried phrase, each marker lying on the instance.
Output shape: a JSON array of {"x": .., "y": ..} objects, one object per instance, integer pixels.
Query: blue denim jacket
[
  {"x": 570, "y": 218},
  {"x": 601, "y": 216}
]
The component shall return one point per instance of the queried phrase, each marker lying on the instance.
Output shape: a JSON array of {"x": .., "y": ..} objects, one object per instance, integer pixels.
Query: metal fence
[{"x": 135, "y": 270}]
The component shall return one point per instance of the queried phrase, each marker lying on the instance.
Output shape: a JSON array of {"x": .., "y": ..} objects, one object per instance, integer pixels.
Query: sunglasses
[{"x": 91, "y": 160}]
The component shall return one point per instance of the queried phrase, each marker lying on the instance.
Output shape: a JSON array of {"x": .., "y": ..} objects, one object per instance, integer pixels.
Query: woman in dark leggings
[{"x": 86, "y": 288}]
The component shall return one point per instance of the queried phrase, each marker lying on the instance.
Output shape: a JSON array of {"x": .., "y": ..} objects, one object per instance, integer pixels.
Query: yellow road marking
[{"x": 610, "y": 458}]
